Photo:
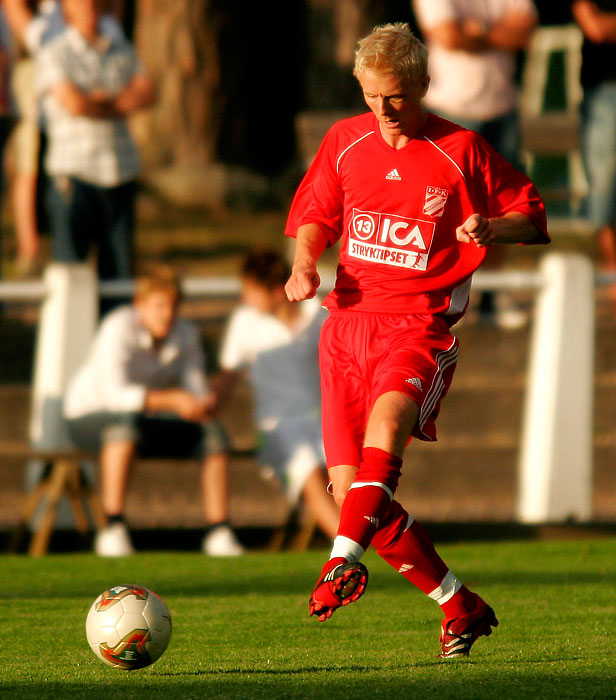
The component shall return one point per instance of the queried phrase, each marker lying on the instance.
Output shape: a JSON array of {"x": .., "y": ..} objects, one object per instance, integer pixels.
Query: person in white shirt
[
  {"x": 143, "y": 390},
  {"x": 277, "y": 342}
]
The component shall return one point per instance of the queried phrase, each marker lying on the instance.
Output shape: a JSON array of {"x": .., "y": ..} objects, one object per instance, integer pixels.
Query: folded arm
[{"x": 513, "y": 227}]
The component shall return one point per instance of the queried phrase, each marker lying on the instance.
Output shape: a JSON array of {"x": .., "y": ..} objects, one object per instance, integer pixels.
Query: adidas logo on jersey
[{"x": 393, "y": 175}]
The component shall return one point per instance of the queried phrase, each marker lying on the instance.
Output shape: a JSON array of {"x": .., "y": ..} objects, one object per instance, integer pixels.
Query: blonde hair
[
  {"x": 392, "y": 48},
  {"x": 160, "y": 279}
]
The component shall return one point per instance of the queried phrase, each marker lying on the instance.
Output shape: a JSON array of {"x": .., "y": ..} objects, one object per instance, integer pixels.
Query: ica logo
[{"x": 390, "y": 239}]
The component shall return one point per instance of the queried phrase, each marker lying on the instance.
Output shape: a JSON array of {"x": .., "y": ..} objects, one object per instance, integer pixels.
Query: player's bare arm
[
  {"x": 514, "y": 227},
  {"x": 304, "y": 281}
]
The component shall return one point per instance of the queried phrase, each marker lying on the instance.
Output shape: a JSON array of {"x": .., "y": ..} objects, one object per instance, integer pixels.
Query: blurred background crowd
[
  {"x": 232, "y": 90},
  {"x": 140, "y": 131}
]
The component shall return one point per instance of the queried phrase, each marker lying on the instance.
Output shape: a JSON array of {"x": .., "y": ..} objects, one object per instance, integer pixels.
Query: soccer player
[{"x": 415, "y": 202}]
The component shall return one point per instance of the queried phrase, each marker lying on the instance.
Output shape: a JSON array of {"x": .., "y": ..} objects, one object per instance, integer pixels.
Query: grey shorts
[{"x": 158, "y": 435}]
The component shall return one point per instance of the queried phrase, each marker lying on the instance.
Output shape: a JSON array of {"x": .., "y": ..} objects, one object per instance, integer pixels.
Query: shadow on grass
[
  {"x": 335, "y": 684},
  {"x": 298, "y": 583}
]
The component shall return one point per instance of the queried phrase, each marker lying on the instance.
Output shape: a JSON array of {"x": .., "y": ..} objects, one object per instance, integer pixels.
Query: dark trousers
[{"x": 83, "y": 216}]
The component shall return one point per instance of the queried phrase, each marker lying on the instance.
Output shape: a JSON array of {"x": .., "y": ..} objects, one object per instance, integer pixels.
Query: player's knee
[
  {"x": 381, "y": 467},
  {"x": 341, "y": 478},
  {"x": 339, "y": 491}
]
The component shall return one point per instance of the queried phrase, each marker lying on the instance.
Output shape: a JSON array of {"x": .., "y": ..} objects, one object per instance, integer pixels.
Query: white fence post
[
  {"x": 65, "y": 331},
  {"x": 555, "y": 471}
]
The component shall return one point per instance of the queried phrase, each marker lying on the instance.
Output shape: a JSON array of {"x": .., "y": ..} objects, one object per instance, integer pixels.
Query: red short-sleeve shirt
[{"x": 396, "y": 212}]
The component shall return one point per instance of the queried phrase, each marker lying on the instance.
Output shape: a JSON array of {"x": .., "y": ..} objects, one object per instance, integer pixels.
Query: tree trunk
[
  {"x": 177, "y": 42},
  {"x": 178, "y": 45}
]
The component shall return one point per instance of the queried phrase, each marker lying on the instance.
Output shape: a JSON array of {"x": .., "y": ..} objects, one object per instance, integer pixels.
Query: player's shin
[
  {"x": 367, "y": 503},
  {"x": 404, "y": 544}
]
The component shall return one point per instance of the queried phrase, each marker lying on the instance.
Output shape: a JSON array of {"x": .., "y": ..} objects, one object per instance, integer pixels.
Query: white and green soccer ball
[{"x": 128, "y": 627}]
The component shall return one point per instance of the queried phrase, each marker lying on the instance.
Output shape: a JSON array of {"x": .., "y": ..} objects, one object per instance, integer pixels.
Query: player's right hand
[{"x": 303, "y": 283}]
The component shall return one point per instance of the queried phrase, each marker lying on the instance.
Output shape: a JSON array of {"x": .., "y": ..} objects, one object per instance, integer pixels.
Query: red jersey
[{"x": 397, "y": 211}]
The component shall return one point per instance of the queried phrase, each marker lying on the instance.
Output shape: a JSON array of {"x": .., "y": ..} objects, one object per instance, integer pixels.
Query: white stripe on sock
[
  {"x": 347, "y": 548},
  {"x": 361, "y": 484},
  {"x": 448, "y": 588}
]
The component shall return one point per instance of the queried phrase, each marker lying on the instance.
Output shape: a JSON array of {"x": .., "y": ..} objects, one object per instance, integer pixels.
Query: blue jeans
[
  {"x": 599, "y": 149},
  {"x": 82, "y": 216}
]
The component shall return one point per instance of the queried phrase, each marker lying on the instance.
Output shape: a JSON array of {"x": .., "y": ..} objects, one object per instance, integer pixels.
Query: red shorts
[{"x": 364, "y": 355}]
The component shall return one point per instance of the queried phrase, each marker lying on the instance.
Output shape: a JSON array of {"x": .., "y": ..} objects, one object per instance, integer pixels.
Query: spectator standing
[
  {"x": 33, "y": 23},
  {"x": 89, "y": 83},
  {"x": 277, "y": 341},
  {"x": 7, "y": 112},
  {"x": 597, "y": 20},
  {"x": 143, "y": 390},
  {"x": 472, "y": 47}
]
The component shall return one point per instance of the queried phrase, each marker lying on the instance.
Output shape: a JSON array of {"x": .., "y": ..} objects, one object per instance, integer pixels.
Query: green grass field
[{"x": 241, "y": 628}]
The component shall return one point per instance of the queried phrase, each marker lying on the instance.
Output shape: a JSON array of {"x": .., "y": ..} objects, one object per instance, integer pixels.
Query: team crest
[{"x": 436, "y": 197}]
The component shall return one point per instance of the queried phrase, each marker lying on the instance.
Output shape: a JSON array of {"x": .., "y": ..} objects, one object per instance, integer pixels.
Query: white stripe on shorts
[{"x": 444, "y": 359}]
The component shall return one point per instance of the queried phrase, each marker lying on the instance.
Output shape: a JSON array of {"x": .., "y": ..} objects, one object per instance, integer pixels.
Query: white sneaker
[
  {"x": 113, "y": 541},
  {"x": 506, "y": 314},
  {"x": 221, "y": 542}
]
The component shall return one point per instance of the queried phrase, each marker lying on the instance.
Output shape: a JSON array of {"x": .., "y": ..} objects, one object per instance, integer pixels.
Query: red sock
[
  {"x": 462, "y": 603},
  {"x": 331, "y": 564},
  {"x": 411, "y": 552},
  {"x": 369, "y": 498}
]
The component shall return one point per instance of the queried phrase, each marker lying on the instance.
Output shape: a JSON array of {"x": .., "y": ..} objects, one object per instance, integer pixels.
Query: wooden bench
[{"x": 62, "y": 476}]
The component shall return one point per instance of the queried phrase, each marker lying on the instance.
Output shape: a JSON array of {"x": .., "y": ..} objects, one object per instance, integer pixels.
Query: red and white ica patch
[{"x": 393, "y": 240}]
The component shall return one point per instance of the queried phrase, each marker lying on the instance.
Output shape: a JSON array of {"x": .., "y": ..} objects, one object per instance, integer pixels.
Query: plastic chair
[{"x": 554, "y": 132}]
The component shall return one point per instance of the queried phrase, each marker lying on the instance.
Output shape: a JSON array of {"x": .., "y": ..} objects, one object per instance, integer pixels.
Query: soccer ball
[{"x": 128, "y": 627}]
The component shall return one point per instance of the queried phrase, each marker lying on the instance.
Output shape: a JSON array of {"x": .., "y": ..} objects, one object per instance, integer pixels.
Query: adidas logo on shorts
[{"x": 416, "y": 382}]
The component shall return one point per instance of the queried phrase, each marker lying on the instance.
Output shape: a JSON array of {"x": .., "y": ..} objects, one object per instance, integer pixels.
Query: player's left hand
[{"x": 476, "y": 229}]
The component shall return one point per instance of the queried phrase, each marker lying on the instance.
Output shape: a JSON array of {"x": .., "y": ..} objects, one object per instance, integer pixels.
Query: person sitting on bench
[
  {"x": 276, "y": 342},
  {"x": 143, "y": 391}
]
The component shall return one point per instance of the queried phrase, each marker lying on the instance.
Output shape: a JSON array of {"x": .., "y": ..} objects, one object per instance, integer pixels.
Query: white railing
[{"x": 555, "y": 463}]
